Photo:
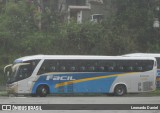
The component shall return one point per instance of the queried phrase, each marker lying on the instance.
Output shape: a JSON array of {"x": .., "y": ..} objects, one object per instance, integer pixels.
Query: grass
[
  {"x": 155, "y": 93},
  {"x": 3, "y": 93}
]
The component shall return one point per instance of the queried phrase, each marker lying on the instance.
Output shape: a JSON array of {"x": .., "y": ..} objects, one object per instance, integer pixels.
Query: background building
[{"x": 78, "y": 10}]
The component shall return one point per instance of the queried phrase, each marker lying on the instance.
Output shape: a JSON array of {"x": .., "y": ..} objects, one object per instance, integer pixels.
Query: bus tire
[
  {"x": 42, "y": 90},
  {"x": 120, "y": 90}
]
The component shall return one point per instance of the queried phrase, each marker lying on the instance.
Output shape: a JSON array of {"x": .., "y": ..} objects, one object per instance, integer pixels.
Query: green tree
[{"x": 137, "y": 17}]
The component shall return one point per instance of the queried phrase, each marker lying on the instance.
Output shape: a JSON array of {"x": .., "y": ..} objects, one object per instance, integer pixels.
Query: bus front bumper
[{"x": 12, "y": 88}]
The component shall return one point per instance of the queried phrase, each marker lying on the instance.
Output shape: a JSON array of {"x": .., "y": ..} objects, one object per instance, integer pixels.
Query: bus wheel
[
  {"x": 42, "y": 91},
  {"x": 120, "y": 90}
]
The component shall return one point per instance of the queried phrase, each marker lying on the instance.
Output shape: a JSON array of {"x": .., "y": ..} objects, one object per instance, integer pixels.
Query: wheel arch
[
  {"x": 120, "y": 90},
  {"x": 43, "y": 84},
  {"x": 120, "y": 83}
]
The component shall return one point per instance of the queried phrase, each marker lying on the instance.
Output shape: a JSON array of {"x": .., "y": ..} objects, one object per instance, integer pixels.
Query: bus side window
[
  {"x": 52, "y": 68},
  {"x": 72, "y": 68},
  {"x": 101, "y": 68},
  {"x": 62, "y": 68},
  {"x": 110, "y": 68},
  {"x": 139, "y": 68},
  {"x": 121, "y": 68},
  {"x": 82, "y": 69},
  {"x": 92, "y": 68},
  {"x": 130, "y": 68},
  {"x": 148, "y": 65},
  {"x": 47, "y": 66},
  {"x": 129, "y": 65}
]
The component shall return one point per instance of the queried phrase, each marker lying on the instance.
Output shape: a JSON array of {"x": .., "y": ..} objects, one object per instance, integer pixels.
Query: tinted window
[
  {"x": 95, "y": 66},
  {"x": 24, "y": 70}
]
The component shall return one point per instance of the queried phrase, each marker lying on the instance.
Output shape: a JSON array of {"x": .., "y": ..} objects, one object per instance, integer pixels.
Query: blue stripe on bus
[
  {"x": 87, "y": 86},
  {"x": 158, "y": 78},
  {"x": 158, "y": 72}
]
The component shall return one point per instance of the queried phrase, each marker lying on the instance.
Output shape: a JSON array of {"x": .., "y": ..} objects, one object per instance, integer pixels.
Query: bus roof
[
  {"x": 143, "y": 54},
  {"x": 36, "y": 57}
]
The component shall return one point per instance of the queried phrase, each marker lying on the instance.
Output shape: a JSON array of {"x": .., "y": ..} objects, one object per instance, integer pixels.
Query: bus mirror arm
[{"x": 4, "y": 70}]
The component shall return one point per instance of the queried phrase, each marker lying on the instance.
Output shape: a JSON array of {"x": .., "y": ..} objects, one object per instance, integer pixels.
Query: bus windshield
[{"x": 20, "y": 71}]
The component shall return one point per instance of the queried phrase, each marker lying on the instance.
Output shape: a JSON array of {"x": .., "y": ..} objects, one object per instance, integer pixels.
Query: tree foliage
[{"x": 129, "y": 29}]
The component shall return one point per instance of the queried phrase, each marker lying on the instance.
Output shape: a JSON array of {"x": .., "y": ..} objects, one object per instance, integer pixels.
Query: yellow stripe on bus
[
  {"x": 157, "y": 79},
  {"x": 88, "y": 79}
]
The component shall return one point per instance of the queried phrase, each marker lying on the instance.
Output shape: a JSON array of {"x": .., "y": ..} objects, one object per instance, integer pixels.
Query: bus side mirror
[
  {"x": 6, "y": 67},
  {"x": 7, "y": 71}
]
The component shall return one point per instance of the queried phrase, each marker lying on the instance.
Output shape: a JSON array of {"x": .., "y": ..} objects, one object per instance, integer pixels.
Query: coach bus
[
  {"x": 48, "y": 74},
  {"x": 155, "y": 55}
]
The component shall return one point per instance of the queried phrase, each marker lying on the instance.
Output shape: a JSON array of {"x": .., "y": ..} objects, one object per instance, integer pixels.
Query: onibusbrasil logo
[{"x": 21, "y": 107}]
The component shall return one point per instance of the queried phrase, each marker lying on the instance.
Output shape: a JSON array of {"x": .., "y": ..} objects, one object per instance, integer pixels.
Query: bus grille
[{"x": 147, "y": 86}]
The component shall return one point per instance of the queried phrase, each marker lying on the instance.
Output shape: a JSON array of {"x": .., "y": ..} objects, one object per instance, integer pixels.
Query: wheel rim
[
  {"x": 44, "y": 90},
  {"x": 120, "y": 91}
]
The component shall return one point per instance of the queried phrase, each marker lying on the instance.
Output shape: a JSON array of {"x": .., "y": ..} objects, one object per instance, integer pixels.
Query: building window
[
  {"x": 76, "y": 2},
  {"x": 97, "y": 18}
]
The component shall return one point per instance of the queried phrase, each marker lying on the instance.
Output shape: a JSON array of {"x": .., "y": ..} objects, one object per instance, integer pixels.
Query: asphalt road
[{"x": 82, "y": 100}]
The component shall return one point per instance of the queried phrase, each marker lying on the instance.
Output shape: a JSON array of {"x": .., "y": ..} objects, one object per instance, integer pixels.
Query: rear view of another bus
[{"x": 156, "y": 56}]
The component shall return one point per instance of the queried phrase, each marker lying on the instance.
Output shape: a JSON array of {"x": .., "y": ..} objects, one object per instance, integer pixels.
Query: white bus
[
  {"x": 47, "y": 74},
  {"x": 155, "y": 55}
]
